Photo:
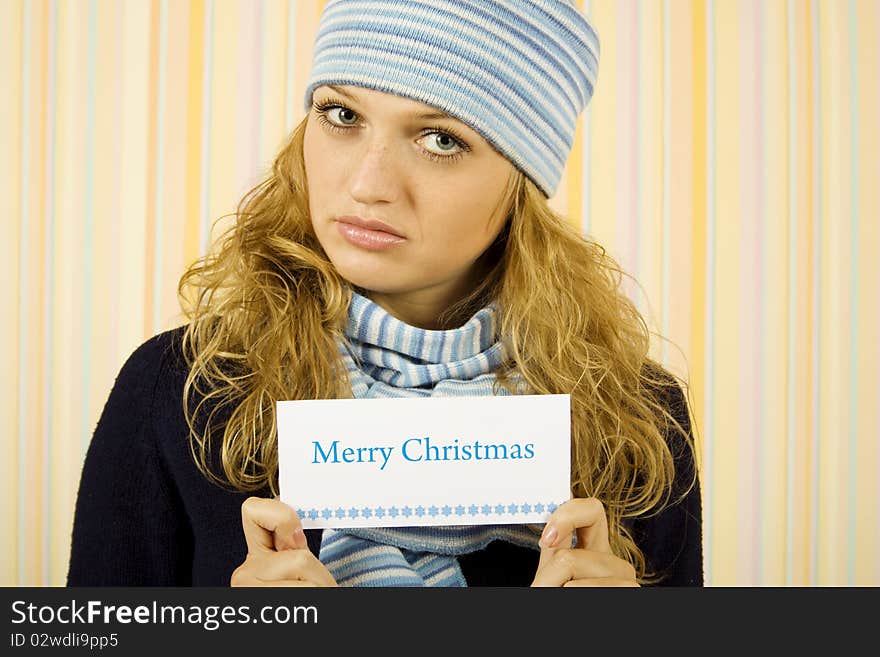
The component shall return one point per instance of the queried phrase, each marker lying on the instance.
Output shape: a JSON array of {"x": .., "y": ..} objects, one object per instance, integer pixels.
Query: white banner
[{"x": 424, "y": 461}]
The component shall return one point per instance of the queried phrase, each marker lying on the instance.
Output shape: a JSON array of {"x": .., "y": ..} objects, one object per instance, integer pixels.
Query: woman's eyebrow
[{"x": 436, "y": 114}]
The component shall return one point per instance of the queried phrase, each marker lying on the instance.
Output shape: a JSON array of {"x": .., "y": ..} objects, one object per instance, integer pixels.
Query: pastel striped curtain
[{"x": 728, "y": 160}]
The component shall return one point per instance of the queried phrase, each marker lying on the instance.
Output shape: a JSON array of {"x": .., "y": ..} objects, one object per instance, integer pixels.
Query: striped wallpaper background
[{"x": 729, "y": 160}]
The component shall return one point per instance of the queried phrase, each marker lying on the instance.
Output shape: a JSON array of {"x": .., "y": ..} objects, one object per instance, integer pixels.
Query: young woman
[{"x": 402, "y": 246}]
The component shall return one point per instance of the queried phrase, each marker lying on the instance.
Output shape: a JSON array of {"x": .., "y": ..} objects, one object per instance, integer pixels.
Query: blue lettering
[
  {"x": 495, "y": 449},
  {"x": 404, "y": 452},
  {"x": 432, "y": 453},
  {"x": 325, "y": 455},
  {"x": 386, "y": 454}
]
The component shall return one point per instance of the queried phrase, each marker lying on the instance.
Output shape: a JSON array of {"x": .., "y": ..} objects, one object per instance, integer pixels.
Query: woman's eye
[
  {"x": 345, "y": 115},
  {"x": 443, "y": 143}
]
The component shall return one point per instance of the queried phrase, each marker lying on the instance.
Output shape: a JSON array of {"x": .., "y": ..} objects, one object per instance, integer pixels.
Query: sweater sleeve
[
  {"x": 129, "y": 527},
  {"x": 672, "y": 539}
]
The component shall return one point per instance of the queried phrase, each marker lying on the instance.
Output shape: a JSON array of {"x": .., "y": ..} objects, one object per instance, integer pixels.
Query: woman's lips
[{"x": 365, "y": 238}]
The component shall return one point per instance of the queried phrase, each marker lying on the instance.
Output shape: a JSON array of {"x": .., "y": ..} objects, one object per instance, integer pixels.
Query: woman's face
[{"x": 403, "y": 198}]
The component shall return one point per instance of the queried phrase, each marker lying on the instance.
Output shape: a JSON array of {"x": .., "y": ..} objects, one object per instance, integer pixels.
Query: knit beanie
[{"x": 519, "y": 72}]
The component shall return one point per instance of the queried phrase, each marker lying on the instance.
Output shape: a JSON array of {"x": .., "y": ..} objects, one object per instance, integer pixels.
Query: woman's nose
[{"x": 376, "y": 177}]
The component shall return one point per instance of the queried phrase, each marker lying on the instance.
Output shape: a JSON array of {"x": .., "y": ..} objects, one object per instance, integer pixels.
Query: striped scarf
[{"x": 389, "y": 358}]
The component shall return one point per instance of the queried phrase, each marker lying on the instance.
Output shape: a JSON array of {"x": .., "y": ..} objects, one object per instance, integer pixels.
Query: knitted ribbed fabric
[
  {"x": 518, "y": 72},
  {"x": 387, "y": 357}
]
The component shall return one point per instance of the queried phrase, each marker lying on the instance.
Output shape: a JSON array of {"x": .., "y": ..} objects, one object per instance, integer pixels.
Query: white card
[{"x": 424, "y": 461}]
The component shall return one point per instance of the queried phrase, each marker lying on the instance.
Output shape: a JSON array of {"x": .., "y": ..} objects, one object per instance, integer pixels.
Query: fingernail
[
  {"x": 549, "y": 536},
  {"x": 299, "y": 538}
]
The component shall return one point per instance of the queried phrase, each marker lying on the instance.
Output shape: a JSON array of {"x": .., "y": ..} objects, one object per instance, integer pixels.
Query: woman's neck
[
  {"x": 424, "y": 308},
  {"x": 421, "y": 308}
]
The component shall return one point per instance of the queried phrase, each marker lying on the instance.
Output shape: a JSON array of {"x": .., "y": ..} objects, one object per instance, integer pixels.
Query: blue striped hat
[{"x": 519, "y": 72}]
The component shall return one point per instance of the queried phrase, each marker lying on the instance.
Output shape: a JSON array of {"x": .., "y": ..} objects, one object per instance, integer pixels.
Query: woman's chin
[{"x": 371, "y": 279}]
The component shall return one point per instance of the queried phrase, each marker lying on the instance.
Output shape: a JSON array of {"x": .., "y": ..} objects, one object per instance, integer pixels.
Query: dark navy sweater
[{"x": 146, "y": 515}]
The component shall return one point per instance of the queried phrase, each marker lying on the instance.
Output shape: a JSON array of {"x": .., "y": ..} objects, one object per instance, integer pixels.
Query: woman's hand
[
  {"x": 590, "y": 562},
  {"x": 278, "y": 554}
]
